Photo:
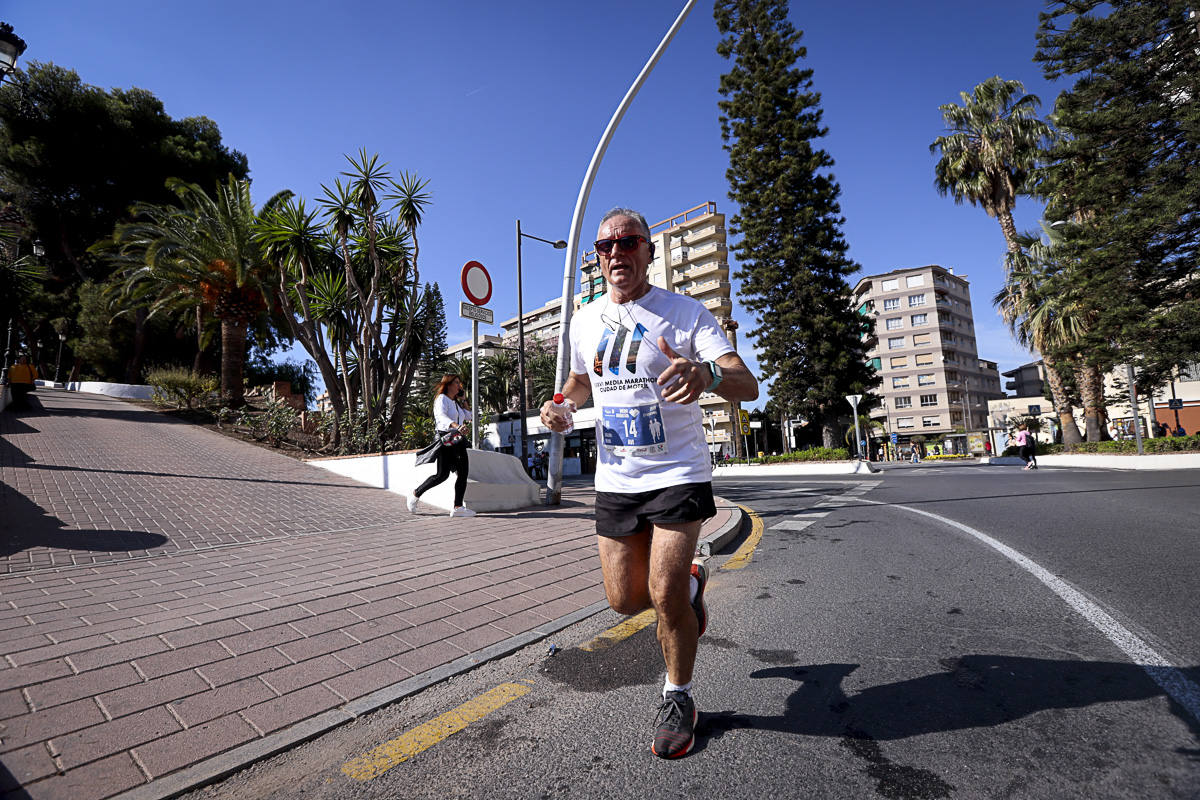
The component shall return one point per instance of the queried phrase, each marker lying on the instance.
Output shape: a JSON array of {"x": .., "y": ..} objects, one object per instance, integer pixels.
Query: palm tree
[
  {"x": 498, "y": 381},
  {"x": 201, "y": 254},
  {"x": 994, "y": 142},
  {"x": 1027, "y": 308}
]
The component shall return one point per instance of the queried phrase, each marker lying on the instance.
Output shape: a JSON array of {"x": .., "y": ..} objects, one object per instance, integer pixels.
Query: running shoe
[
  {"x": 462, "y": 511},
  {"x": 412, "y": 503},
  {"x": 698, "y": 606},
  {"x": 675, "y": 726}
]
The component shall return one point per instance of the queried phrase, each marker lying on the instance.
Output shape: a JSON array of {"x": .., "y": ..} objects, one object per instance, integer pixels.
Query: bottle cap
[{"x": 558, "y": 398}]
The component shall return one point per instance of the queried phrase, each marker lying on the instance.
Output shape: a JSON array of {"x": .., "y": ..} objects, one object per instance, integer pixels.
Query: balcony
[
  {"x": 698, "y": 235},
  {"x": 707, "y": 287},
  {"x": 708, "y": 249},
  {"x": 719, "y": 417},
  {"x": 712, "y": 268},
  {"x": 719, "y": 304}
]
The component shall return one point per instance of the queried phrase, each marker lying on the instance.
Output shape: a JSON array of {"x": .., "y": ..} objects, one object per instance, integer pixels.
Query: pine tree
[
  {"x": 1127, "y": 172},
  {"x": 433, "y": 347},
  {"x": 794, "y": 261}
]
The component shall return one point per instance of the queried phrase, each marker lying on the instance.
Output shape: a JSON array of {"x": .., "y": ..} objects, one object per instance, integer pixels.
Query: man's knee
[{"x": 626, "y": 600}]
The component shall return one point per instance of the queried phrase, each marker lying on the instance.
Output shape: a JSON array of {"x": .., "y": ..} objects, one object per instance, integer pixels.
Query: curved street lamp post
[{"x": 522, "y": 393}]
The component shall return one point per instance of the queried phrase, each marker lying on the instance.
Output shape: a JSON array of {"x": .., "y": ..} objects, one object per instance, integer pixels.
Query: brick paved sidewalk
[{"x": 173, "y": 595}]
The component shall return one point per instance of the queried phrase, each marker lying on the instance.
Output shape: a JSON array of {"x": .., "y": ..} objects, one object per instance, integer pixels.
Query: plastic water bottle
[{"x": 564, "y": 408}]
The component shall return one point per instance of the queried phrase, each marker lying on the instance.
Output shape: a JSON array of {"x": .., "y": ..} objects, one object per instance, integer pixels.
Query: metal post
[
  {"x": 854, "y": 400},
  {"x": 475, "y": 384},
  {"x": 1137, "y": 420},
  {"x": 523, "y": 398},
  {"x": 554, "y": 479},
  {"x": 58, "y": 362}
]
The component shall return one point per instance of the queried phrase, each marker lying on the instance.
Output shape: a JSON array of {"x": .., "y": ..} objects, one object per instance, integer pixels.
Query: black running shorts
[{"x": 624, "y": 514}]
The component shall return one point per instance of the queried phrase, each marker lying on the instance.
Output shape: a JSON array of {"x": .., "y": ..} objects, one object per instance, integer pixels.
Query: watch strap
[{"x": 718, "y": 375}]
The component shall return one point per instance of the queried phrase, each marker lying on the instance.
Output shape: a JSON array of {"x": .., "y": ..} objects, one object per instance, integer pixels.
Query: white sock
[
  {"x": 695, "y": 587},
  {"x": 671, "y": 687}
]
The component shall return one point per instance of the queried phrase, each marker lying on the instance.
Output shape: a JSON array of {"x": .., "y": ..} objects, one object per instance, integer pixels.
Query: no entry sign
[{"x": 476, "y": 283}]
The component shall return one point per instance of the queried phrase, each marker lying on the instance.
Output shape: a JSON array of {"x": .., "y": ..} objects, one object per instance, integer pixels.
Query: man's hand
[
  {"x": 684, "y": 380},
  {"x": 552, "y": 419}
]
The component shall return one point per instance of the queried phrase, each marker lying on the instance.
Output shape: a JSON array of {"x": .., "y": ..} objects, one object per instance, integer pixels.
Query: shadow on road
[
  {"x": 25, "y": 525},
  {"x": 973, "y": 691}
]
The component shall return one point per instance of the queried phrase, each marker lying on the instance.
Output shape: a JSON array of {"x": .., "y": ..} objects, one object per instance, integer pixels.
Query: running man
[{"x": 648, "y": 354}]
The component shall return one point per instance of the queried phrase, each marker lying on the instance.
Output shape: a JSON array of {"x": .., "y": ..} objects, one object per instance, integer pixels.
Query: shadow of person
[
  {"x": 972, "y": 691},
  {"x": 24, "y": 526}
]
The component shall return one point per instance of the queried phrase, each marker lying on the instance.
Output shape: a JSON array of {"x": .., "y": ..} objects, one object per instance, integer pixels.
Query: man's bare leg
[
  {"x": 625, "y": 562},
  {"x": 671, "y": 551}
]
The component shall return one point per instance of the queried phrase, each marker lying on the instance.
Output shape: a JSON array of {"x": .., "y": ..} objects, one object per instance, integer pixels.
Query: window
[
  {"x": 920, "y": 339},
  {"x": 891, "y": 304},
  {"x": 915, "y": 300},
  {"x": 900, "y": 383},
  {"x": 889, "y": 285},
  {"x": 899, "y": 362},
  {"x": 875, "y": 364},
  {"x": 904, "y": 422},
  {"x": 904, "y": 402},
  {"x": 919, "y": 319},
  {"x": 951, "y": 375},
  {"x": 930, "y": 422},
  {"x": 928, "y": 400},
  {"x": 913, "y": 281},
  {"x": 895, "y": 324},
  {"x": 924, "y": 359},
  {"x": 895, "y": 342},
  {"x": 925, "y": 380}
]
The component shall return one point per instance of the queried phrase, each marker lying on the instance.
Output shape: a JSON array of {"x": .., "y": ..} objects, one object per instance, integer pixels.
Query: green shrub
[
  {"x": 181, "y": 387},
  {"x": 273, "y": 423},
  {"x": 811, "y": 454}
]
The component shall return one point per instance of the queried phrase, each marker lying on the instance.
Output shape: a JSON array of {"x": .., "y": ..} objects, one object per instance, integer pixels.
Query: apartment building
[
  {"x": 922, "y": 343},
  {"x": 691, "y": 257}
]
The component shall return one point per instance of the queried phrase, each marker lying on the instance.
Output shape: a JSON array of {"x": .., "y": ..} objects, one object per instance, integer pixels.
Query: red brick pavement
[{"x": 171, "y": 595}]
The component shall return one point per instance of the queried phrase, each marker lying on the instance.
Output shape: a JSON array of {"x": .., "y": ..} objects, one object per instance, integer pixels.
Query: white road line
[
  {"x": 792, "y": 525},
  {"x": 1161, "y": 671}
]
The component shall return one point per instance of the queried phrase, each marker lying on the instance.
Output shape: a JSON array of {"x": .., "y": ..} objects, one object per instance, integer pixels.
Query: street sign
[
  {"x": 476, "y": 283},
  {"x": 745, "y": 422},
  {"x": 477, "y": 313},
  {"x": 755, "y": 424},
  {"x": 895, "y": 438},
  {"x": 1175, "y": 403},
  {"x": 1035, "y": 409}
]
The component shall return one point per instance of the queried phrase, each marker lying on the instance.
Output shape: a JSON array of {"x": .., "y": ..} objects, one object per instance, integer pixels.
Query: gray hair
[{"x": 626, "y": 212}]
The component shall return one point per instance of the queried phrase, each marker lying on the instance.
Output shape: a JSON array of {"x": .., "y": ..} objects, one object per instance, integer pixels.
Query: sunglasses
[{"x": 627, "y": 244}]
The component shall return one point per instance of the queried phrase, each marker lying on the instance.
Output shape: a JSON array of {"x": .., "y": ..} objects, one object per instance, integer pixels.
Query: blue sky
[{"x": 500, "y": 106}]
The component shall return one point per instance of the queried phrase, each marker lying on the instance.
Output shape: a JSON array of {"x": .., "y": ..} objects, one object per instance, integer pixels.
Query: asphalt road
[{"x": 930, "y": 632}]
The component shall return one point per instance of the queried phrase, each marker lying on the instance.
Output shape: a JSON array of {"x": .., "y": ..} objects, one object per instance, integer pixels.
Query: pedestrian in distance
[
  {"x": 21, "y": 382},
  {"x": 647, "y": 354},
  {"x": 1022, "y": 439},
  {"x": 1179, "y": 431},
  {"x": 451, "y": 418},
  {"x": 531, "y": 465}
]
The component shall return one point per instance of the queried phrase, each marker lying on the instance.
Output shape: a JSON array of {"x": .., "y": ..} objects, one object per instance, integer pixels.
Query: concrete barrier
[
  {"x": 497, "y": 482},
  {"x": 127, "y": 391}
]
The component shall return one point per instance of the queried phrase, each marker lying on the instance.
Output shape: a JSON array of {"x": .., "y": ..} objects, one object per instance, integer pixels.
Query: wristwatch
[{"x": 718, "y": 376}]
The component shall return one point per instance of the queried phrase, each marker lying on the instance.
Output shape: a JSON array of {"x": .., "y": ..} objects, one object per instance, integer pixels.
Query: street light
[
  {"x": 62, "y": 337},
  {"x": 521, "y": 393},
  {"x": 11, "y": 47}
]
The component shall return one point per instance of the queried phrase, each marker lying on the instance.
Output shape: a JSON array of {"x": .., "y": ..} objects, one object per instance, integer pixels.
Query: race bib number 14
[{"x": 634, "y": 430}]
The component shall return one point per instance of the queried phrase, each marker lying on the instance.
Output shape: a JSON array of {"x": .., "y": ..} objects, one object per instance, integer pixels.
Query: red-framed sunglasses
[{"x": 627, "y": 244}]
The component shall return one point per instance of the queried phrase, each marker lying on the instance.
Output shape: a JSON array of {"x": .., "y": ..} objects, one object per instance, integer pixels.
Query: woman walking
[
  {"x": 449, "y": 447},
  {"x": 1024, "y": 443}
]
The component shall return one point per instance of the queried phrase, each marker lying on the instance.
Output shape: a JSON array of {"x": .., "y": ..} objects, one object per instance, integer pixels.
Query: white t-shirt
[
  {"x": 446, "y": 411},
  {"x": 642, "y": 442}
]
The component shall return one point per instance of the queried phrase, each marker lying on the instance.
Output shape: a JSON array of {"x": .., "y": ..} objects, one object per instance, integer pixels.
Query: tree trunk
[
  {"x": 1062, "y": 406},
  {"x": 1091, "y": 389},
  {"x": 233, "y": 357},
  {"x": 828, "y": 435},
  {"x": 1009, "y": 229},
  {"x": 133, "y": 367},
  {"x": 197, "y": 362}
]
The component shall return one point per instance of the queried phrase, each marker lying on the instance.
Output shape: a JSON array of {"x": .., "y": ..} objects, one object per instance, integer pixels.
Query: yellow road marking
[
  {"x": 619, "y": 632},
  {"x": 426, "y": 735},
  {"x": 742, "y": 557}
]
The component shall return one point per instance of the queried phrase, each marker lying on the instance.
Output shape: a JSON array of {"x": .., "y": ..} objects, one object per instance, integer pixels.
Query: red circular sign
[{"x": 476, "y": 283}]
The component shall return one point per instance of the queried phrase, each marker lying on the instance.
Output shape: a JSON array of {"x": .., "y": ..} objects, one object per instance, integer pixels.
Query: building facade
[{"x": 922, "y": 344}]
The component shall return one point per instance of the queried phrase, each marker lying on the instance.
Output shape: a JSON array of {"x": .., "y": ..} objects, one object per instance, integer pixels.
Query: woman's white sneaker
[
  {"x": 412, "y": 503},
  {"x": 462, "y": 511}
]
